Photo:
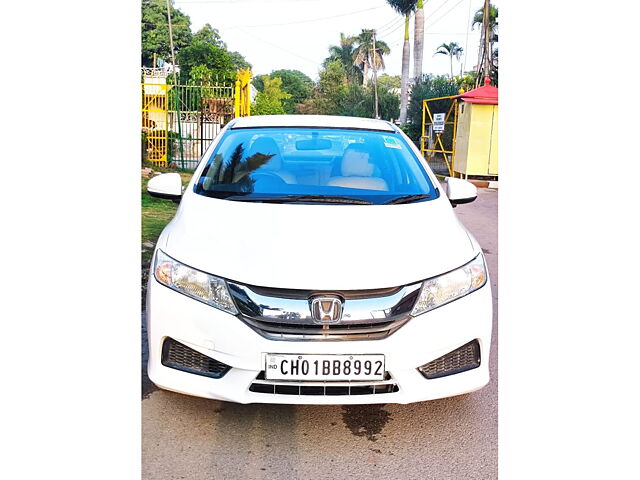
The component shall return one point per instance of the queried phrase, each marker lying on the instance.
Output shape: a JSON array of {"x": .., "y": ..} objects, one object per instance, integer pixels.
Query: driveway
[{"x": 452, "y": 438}]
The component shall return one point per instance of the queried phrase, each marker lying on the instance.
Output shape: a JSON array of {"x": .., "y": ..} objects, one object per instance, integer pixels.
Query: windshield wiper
[
  {"x": 303, "y": 198},
  {"x": 408, "y": 198}
]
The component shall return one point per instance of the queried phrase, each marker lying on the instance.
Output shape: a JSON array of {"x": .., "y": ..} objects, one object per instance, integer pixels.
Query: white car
[{"x": 317, "y": 260}]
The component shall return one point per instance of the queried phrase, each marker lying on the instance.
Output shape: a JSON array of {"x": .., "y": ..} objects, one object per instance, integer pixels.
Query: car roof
[{"x": 319, "y": 121}]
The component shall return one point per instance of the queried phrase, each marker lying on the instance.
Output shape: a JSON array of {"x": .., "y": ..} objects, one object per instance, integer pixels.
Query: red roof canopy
[{"x": 487, "y": 94}]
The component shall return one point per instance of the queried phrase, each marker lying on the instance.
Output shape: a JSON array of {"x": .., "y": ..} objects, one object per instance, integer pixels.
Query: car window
[{"x": 315, "y": 164}]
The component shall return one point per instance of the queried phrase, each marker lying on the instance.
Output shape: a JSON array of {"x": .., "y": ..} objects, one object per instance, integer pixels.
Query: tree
[
  {"x": 204, "y": 49},
  {"x": 428, "y": 87},
  {"x": 269, "y": 101},
  {"x": 359, "y": 101},
  {"x": 332, "y": 89},
  {"x": 296, "y": 84},
  {"x": 155, "y": 31},
  {"x": 478, "y": 20},
  {"x": 404, "y": 7},
  {"x": 343, "y": 53},
  {"x": 467, "y": 82},
  {"x": 202, "y": 75},
  {"x": 452, "y": 50},
  {"x": 208, "y": 34},
  {"x": 366, "y": 55},
  {"x": 389, "y": 102},
  {"x": 389, "y": 82},
  {"x": 494, "y": 67},
  {"x": 238, "y": 62},
  {"x": 214, "y": 58},
  {"x": 418, "y": 41},
  {"x": 329, "y": 94}
]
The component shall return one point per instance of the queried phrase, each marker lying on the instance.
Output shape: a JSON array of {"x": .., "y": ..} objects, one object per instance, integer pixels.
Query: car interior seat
[
  {"x": 356, "y": 170},
  {"x": 268, "y": 146}
]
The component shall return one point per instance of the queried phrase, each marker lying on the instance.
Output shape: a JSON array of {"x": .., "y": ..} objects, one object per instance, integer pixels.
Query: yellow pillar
[
  {"x": 236, "y": 100},
  {"x": 242, "y": 96}
]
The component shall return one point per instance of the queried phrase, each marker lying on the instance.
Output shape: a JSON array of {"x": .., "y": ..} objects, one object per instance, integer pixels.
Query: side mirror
[
  {"x": 460, "y": 191},
  {"x": 166, "y": 185}
]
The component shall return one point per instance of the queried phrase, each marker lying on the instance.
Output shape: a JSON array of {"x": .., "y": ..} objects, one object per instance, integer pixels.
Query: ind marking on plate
[{"x": 314, "y": 367}]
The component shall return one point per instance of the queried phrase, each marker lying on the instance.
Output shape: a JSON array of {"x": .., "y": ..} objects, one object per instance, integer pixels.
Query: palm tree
[
  {"x": 367, "y": 56},
  {"x": 418, "y": 41},
  {"x": 478, "y": 20},
  {"x": 453, "y": 50},
  {"x": 404, "y": 7},
  {"x": 343, "y": 53}
]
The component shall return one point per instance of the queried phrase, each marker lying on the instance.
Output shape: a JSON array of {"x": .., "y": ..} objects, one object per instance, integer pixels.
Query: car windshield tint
[{"x": 314, "y": 165}]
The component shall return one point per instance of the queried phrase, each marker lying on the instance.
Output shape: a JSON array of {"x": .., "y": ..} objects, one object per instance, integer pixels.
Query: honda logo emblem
[{"x": 326, "y": 310}]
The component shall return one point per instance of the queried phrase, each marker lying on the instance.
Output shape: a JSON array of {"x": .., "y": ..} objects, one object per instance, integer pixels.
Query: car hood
[{"x": 317, "y": 246}]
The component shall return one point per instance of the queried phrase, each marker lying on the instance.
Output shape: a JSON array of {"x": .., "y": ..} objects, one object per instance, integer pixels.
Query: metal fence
[
  {"x": 196, "y": 115},
  {"x": 181, "y": 121}
]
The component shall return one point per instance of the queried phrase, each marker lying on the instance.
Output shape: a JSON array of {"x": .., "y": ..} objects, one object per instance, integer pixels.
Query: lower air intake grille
[
  {"x": 260, "y": 385},
  {"x": 179, "y": 356},
  {"x": 462, "y": 359}
]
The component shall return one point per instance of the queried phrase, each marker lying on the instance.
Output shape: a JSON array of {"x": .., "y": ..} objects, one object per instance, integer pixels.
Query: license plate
[{"x": 324, "y": 367}]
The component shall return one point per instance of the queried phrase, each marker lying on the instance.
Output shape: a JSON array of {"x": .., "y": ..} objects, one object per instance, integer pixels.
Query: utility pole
[
  {"x": 487, "y": 53},
  {"x": 175, "y": 83},
  {"x": 375, "y": 73},
  {"x": 466, "y": 43},
  {"x": 173, "y": 55}
]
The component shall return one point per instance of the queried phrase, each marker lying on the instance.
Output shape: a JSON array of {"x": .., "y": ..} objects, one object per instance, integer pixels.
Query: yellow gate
[
  {"x": 155, "y": 121},
  {"x": 431, "y": 141},
  {"x": 166, "y": 109}
]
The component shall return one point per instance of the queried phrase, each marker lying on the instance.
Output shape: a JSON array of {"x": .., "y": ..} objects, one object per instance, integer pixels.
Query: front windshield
[{"x": 323, "y": 165}]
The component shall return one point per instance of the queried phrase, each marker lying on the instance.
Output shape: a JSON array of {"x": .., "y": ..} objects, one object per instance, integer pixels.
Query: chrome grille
[{"x": 286, "y": 314}]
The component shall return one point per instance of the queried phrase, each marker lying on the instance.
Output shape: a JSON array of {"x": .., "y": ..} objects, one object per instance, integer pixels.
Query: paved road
[{"x": 453, "y": 438}]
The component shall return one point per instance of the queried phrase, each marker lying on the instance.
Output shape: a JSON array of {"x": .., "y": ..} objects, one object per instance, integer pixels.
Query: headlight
[
  {"x": 193, "y": 283},
  {"x": 450, "y": 286}
]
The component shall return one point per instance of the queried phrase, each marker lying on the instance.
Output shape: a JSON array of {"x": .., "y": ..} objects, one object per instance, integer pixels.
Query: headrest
[
  {"x": 355, "y": 162},
  {"x": 266, "y": 146}
]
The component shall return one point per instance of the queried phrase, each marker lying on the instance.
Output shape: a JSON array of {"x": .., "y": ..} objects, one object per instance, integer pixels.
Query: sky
[{"x": 296, "y": 34}]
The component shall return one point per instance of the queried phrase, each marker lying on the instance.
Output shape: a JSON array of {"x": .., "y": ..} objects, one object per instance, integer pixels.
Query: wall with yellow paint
[
  {"x": 477, "y": 140},
  {"x": 462, "y": 137}
]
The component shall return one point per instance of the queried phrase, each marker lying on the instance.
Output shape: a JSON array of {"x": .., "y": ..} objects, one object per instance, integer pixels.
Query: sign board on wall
[{"x": 438, "y": 122}]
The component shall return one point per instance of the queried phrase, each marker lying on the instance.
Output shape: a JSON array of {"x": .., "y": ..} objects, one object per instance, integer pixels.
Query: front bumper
[{"x": 227, "y": 339}]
